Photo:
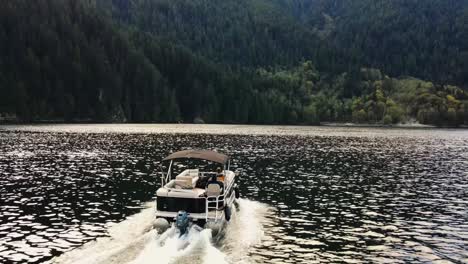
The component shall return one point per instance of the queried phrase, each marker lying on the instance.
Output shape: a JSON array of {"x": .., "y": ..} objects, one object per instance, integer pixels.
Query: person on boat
[{"x": 220, "y": 175}]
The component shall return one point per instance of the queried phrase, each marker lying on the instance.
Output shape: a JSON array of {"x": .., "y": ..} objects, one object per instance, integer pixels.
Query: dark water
[{"x": 309, "y": 194}]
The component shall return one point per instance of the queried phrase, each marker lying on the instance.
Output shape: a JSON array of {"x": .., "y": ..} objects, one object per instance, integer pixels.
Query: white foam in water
[
  {"x": 125, "y": 241},
  {"x": 195, "y": 247},
  {"x": 134, "y": 241},
  {"x": 245, "y": 230}
]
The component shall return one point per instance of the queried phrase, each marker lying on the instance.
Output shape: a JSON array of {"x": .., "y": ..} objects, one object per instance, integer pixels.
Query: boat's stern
[{"x": 182, "y": 198}]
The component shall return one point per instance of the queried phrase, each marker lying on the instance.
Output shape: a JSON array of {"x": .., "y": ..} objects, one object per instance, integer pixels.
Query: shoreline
[
  {"x": 414, "y": 125},
  {"x": 322, "y": 124}
]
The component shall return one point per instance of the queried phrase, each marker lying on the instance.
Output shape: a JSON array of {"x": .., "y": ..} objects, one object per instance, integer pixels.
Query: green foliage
[
  {"x": 387, "y": 120},
  {"x": 396, "y": 113},
  {"x": 426, "y": 39},
  {"x": 239, "y": 32},
  {"x": 360, "y": 116},
  {"x": 63, "y": 60},
  {"x": 310, "y": 115}
]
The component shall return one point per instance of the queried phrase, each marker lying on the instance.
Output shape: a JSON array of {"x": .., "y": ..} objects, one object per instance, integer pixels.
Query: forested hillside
[
  {"x": 424, "y": 39},
  {"x": 63, "y": 60},
  {"x": 243, "y": 32},
  {"x": 243, "y": 61}
]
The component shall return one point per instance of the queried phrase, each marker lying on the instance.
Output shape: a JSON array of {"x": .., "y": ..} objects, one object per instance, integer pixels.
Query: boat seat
[
  {"x": 186, "y": 182},
  {"x": 213, "y": 189},
  {"x": 187, "y": 179},
  {"x": 193, "y": 172},
  {"x": 171, "y": 191}
]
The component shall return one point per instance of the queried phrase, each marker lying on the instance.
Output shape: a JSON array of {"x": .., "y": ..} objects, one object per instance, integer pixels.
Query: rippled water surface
[{"x": 82, "y": 194}]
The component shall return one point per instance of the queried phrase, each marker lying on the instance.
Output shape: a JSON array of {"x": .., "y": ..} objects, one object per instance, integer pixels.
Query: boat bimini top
[{"x": 199, "y": 154}]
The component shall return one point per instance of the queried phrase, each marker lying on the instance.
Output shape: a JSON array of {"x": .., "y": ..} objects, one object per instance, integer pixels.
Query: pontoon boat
[{"x": 204, "y": 198}]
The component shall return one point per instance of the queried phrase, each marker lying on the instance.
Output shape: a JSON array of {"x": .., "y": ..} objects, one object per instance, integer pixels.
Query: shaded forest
[{"x": 244, "y": 61}]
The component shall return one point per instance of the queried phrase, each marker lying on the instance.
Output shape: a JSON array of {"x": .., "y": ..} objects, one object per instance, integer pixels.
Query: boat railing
[
  {"x": 217, "y": 203},
  {"x": 212, "y": 205}
]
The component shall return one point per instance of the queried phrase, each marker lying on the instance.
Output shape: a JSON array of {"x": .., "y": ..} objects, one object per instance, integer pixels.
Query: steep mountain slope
[
  {"x": 426, "y": 39},
  {"x": 63, "y": 60},
  {"x": 244, "y": 61},
  {"x": 238, "y": 32}
]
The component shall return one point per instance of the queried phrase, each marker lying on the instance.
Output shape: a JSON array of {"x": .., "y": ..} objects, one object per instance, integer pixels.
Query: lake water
[{"x": 82, "y": 194}]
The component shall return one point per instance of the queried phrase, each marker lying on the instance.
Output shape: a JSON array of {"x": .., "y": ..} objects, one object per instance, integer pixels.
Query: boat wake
[
  {"x": 135, "y": 241},
  {"x": 245, "y": 230}
]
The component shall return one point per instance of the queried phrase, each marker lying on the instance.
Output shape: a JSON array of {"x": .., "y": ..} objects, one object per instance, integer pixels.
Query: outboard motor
[{"x": 182, "y": 222}]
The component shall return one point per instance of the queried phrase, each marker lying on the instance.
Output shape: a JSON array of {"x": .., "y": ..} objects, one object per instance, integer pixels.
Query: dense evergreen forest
[{"x": 235, "y": 61}]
